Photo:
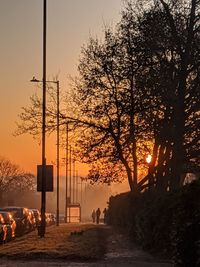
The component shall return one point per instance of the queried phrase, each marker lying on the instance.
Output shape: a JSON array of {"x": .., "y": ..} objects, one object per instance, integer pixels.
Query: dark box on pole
[{"x": 49, "y": 178}]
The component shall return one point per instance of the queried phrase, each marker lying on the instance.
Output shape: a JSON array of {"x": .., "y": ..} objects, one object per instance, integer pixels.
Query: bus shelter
[{"x": 73, "y": 213}]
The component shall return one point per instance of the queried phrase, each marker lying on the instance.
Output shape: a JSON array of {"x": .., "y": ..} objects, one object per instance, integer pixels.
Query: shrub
[{"x": 163, "y": 222}]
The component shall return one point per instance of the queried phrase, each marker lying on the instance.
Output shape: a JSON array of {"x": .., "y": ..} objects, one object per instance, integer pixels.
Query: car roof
[{"x": 11, "y": 207}]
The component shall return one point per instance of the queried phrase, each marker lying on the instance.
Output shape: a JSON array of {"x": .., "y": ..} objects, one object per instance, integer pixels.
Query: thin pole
[
  {"x": 85, "y": 188},
  {"x": 58, "y": 160},
  {"x": 74, "y": 180},
  {"x": 66, "y": 188},
  {"x": 76, "y": 186},
  {"x": 81, "y": 191},
  {"x": 70, "y": 173},
  {"x": 43, "y": 194},
  {"x": 70, "y": 181}
]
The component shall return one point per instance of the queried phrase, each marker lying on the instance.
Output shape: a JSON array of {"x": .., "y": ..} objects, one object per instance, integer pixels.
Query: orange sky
[{"x": 70, "y": 23}]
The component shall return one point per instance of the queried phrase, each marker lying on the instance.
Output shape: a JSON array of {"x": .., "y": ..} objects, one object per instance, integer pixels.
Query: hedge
[{"x": 166, "y": 222}]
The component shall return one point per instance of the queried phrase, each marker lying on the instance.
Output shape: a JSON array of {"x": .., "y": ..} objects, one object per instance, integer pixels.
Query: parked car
[
  {"x": 37, "y": 216},
  {"x": 50, "y": 219},
  {"x": 3, "y": 230},
  {"x": 10, "y": 224},
  {"x": 21, "y": 216},
  {"x": 53, "y": 218},
  {"x": 32, "y": 220}
]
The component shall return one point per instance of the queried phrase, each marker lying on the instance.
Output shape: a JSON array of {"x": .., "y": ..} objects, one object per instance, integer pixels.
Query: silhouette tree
[
  {"x": 109, "y": 106},
  {"x": 13, "y": 179},
  {"x": 138, "y": 92},
  {"x": 169, "y": 42},
  {"x": 143, "y": 82}
]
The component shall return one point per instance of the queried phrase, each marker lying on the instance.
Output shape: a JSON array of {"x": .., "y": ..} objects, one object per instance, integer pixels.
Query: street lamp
[
  {"x": 67, "y": 169},
  {"x": 43, "y": 194},
  {"x": 58, "y": 146}
]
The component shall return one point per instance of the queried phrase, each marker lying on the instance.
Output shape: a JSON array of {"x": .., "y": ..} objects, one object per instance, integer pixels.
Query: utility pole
[
  {"x": 58, "y": 160},
  {"x": 81, "y": 191},
  {"x": 43, "y": 194},
  {"x": 74, "y": 185},
  {"x": 67, "y": 162},
  {"x": 43, "y": 199},
  {"x": 70, "y": 180}
]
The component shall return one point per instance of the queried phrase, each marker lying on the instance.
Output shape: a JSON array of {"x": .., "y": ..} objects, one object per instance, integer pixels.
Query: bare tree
[
  {"x": 138, "y": 92},
  {"x": 13, "y": 179}
]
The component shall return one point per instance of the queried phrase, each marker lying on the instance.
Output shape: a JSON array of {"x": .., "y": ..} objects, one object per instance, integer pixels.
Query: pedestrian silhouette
[
  {"x": 93, "y": 216},
  {"x": 105, "y": 216},
  {"x": 98, "y": 213}
]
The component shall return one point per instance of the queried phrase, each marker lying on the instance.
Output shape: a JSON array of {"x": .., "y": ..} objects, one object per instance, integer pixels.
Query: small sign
[{"x": 49, "y": 178}]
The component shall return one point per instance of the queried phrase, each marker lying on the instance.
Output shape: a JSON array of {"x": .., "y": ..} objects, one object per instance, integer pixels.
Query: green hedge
[{"x": 163, "y": 222}]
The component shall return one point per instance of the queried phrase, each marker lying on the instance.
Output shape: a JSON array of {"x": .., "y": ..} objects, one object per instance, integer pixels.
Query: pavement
[{"x": 120, "y": 252}]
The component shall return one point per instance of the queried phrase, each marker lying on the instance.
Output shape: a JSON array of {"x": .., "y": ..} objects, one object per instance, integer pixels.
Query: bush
[
  {"x": 163, "y": 222},
  {"x": 185, "y": 233}
]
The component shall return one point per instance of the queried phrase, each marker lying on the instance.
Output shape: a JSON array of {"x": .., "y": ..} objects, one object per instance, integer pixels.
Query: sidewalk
[{"x": 76, "y": 246}]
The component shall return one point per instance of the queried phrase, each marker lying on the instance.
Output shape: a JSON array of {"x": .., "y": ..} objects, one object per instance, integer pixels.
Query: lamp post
[
  {"x": 58, "y": 154},
  {"x": 58, "y": 145},
  {"x": 67, "y": 169},
  {"x": 41, "y": 231},
  {"x": 76, "y": 186},
  {"x": 43, "y": 194},
  {"x": 70, "y": 180},
  {"x": 73, "y": 179}
]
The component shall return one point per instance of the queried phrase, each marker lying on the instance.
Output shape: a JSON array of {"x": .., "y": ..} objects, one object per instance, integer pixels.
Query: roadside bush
[
  {"x": 167, "y": 222},
  {"x": 121, "y": 212},
  {"x": 153, "y": 221},
  {"x": 185, "y": 234}
]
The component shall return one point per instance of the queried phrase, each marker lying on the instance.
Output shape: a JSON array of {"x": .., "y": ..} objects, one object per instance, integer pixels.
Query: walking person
[
  {"x": 93, "y": 216},
  {"x": 105, "y": 216},
  {"x": 98, "y": 213}
]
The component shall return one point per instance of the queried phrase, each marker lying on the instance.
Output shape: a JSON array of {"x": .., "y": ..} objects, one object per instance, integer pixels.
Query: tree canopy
[
  {"x": 138, "y": 92},
  {"x": 139, "y": 85}
]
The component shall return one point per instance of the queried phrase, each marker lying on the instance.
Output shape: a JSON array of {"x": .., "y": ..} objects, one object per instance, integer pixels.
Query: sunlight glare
[{"x": 148, "y": 158}]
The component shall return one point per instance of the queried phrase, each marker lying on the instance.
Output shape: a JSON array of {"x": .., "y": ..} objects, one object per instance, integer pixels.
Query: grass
[{"x": 71, "y": 241}]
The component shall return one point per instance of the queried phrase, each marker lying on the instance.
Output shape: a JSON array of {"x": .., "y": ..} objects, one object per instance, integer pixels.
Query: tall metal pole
[
  {"x": 81, "y": 191},
  {"x": 70, "y": 173},
  {"x": 66, "y": 188},
  {"x": 73, "y": 165},
  {"x": 58, "y": 160},
  {"x": 43, "y": 194},
  {"x": 76, "y": 186},
  {"x": 70, "y": 180},
  {"x": 85, "y": 189}
]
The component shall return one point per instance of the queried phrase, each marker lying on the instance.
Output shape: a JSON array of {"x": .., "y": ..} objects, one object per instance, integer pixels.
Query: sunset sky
[{"x": 69, "y": 25}]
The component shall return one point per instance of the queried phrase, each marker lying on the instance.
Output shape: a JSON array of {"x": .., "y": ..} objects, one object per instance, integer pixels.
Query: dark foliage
[
  {"x": 137, "y": 93},
  {"x": 166, "y": 223}
]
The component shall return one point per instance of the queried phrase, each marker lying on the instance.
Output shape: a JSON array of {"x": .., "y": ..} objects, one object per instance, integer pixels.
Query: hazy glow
[
  {"x": 70, "y": 23},
  {"x": 148, "y": 159}
]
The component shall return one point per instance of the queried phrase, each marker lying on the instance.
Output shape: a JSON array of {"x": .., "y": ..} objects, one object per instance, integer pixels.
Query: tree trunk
[
  {"x": 151, "y": 173},
  {"x": 179, "y": 124}
]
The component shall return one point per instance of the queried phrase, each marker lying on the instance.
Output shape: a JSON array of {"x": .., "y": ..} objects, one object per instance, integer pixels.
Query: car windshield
[
  {"x": 1, "y": 219},
  {"x": 15, "y": 212},
  {"x": 6, "y": 217}
]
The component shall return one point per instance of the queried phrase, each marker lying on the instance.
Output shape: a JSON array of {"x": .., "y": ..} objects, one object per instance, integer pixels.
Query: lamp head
[{"x": 34, "y": 80}]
